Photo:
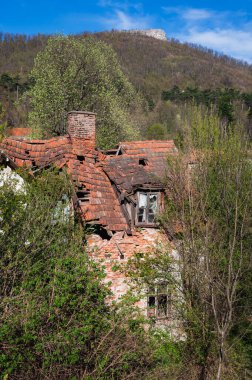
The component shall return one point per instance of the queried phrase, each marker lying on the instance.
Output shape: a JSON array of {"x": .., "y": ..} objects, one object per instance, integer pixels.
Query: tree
[
  {"x": 55, "y": 321},
  {"x": 51, "y": 295},
  {"x": 225, "y": 106},
  {"x": 9, "y": 83},
  {"x": 208, "y": 218},
  {"x": 82, "y": 74},
  {"x": 212, "y": 204},
  {"x": 156, "y": 132},
  {"x": 3, "y": 122}
]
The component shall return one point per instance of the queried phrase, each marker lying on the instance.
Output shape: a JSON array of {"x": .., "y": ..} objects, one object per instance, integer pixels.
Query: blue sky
[{"x": 225, "y": 26}]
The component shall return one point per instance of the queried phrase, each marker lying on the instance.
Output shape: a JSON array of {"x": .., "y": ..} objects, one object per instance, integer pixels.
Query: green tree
[
  {"x": 52, "y": 301},
  {"x": 225, "y": 105},
  {"x": 3, "y": 122},
  {"x": 82, "y": 74},
  {"x": 55, "y": 321},
  {"x": 208, "y": 217},
  {"x": 8, "y": 82},
  {"x": 156, "y": 132},
  {"x": 211, "y": 202}
]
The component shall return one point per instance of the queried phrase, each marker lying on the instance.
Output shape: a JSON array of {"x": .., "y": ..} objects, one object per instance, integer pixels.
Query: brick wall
[
  {"x": 81, "y": 127},
  {"x": 119, "y": 249}
]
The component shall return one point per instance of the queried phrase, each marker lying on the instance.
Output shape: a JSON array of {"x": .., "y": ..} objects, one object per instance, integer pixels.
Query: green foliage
[
  {"x": 156, "y": 132},
  {"x": 208, "y": 216},
  {"x": 14, "y": 83},
  {"x": 213, "y": 211},
  {"x": 155, "y": 65},
  {"x": 82, "y": 74},
  {"x": 145, "y": 268},
  {"x": 55, "y": 322},
  {"x": 222, "y": 100},
  {"x": 9, "y": 82},
  {"x": 152, "y": 66},
  {"x": 52, "y": 302},
  {"x": 3, "y": 122}
]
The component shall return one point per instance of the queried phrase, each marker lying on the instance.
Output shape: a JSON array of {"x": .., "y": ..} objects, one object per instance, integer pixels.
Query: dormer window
[{"x": 147, "y": 207}]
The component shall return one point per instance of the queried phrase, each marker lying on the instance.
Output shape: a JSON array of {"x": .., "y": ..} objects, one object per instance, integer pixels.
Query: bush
[{"x": 55, "y": 321}]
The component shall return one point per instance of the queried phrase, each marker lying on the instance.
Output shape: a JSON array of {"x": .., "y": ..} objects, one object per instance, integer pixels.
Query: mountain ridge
[{"x": 152, "y": 65}]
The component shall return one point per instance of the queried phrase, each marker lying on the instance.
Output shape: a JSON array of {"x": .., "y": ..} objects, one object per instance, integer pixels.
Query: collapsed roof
[{"x": 101, "y": 179}]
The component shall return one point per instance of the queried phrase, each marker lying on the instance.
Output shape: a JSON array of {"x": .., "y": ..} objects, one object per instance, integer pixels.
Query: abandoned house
[{"x": 118, "y": 192}]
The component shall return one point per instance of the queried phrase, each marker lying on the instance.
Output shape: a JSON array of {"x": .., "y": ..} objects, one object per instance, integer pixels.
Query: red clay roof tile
[{"x": 93, "y": 172}]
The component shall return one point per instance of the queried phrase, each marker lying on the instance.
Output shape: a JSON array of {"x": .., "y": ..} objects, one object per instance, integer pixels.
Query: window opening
[
  {"x": 82, "y": 195},
  {"x": 147, "y": 207},
  {"x": 159, "y": 302},
  {"x": 152, "y": 210},
  {"x": 80, "y": 158},
  {"x": 143, "y": 161},
  {"x": 119, "y": 151},
  {"x": 102, "y": 232}
]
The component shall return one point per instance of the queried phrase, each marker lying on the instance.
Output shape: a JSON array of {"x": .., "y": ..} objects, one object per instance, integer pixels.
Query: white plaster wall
[{"x": 10, "y": 177}]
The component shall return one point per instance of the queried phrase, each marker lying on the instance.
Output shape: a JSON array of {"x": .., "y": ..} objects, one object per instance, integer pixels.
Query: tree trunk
[
  {"x": 218, "y": 376},
  {"x": 203, "y": 372}
]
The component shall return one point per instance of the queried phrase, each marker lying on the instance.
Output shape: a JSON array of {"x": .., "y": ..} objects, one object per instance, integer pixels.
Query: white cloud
[
  {"x": 189, "y": 14},
  {"x": 124, "y": 15},
  {"x": 227, "y": 32},
  {"x": 233, "y": 42},
  {"x": 192, "y": 14},
  {"x": 122, "y": 20}
]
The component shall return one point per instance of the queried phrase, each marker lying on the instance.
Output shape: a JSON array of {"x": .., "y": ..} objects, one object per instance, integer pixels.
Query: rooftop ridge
[{"x": 146, "y": 141}]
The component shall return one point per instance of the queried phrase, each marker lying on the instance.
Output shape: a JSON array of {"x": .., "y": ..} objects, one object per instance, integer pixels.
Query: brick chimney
[{"x": 81, "y": 127}]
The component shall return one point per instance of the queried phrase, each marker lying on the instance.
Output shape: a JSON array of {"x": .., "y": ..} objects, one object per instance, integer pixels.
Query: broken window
[
  {"x": 159, "y": 302},
  {"x": 147, "y": 207}
]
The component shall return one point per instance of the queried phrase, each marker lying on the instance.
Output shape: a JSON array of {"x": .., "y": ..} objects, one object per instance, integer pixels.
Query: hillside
[{"x": 152, "y": 65}]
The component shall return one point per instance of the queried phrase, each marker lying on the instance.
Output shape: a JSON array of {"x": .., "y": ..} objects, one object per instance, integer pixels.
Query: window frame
[
  {"x": 153, "y": 311},
  {"x": 148, "y": 193}
]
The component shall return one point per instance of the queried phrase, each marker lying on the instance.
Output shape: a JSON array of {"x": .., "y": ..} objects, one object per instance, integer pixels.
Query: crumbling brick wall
[{"x": 120, "y": 248}]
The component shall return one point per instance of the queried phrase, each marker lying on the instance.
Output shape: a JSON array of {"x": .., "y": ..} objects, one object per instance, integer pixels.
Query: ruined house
[{"x": 118, "y": 192}]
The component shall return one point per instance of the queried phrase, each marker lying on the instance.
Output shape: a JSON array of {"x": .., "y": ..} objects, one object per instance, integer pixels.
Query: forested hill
[
  {"x": 152, "y": 65},
  {"x": 155, "y": 65}
]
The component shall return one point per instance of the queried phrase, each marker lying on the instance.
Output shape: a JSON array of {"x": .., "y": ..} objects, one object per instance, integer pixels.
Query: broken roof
[
  {"x": 97, "y": 177},
  {"x": 139, "y": 164}
]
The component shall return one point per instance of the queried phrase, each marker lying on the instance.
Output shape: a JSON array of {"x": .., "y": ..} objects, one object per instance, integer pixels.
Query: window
[
  {"x": 147, "y": 207},
  {"x": 159, "y": 302}
]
